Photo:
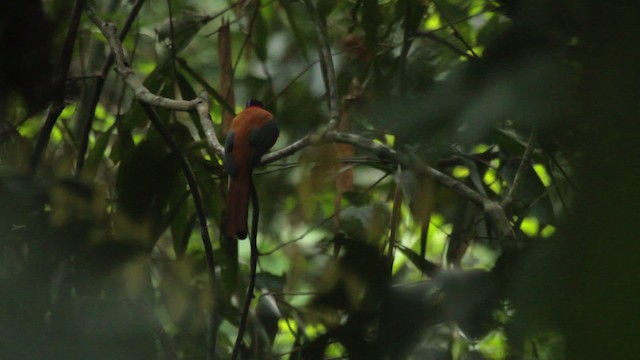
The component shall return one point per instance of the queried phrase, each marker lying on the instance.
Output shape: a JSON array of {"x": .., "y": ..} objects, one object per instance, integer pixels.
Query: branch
[
  {"x": 517, "y": 179},
  {"x": 57, "y": 104},
  {"x": 441, "y": 41},
  {"x": 288, "y": 150},
  {"x": 198, "y": 204},
  {"x": 328, "y": 68},
  {"x": 456, "y": 33},
  {"x": 493, "y": 210},
  {"x": 202, "y": 107},
  {"x": 199, "y": 104},
  {"x": 97, "y": 90},
  {"x": 124, "y": 69},
  {"x": 208, "y": 88},
  {"x": 246, "y": 307}
]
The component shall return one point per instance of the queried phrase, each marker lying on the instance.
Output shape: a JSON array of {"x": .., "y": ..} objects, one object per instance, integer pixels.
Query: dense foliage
[{"x": 470, "y": 194}]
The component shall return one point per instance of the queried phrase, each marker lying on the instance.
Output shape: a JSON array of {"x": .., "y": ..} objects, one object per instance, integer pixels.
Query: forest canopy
[{"x": 452, "y": 179}]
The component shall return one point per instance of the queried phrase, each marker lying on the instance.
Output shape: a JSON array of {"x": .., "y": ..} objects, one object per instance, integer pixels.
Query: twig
[
  {"x": 252, "y": 272},
  {"x": 444, "y": 42},
  {"x": 209, "y": 89},
  {"x": 199, "y": 104},
  {"x": 202, "y": 108},
  {"x": 466, "y": 18},
  {"x": 456, "y": 33},
  {"x": 57, "y": 104},
  {"x": 100, "y": 80},
  {"x": 288, "y": 150},
  {"x": 329, "y": 70},
  {"x": 124, "y": 69},
  {"x": 517, "y": 179},
  {"x": 493, "y": 210},
  {"x": 324, "y": 221},
  {"x": 295, "y": 78},
  {"x": 254, "y": 15},
  {"x": 198, "y": 204},
  {"x": 396, "y": 216}
]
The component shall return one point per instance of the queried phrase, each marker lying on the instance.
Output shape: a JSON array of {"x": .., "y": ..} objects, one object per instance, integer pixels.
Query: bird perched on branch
[{"x": 253, "y": 132}]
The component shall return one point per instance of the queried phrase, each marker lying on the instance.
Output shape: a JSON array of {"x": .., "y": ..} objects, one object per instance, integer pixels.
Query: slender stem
[
  {"x": 57, "y": 104},
  {"x": 100, "y": 80},
  {"x": 252, "y": 271},
  {"x": 456, "y": 33},
  {"x": 207, "y": 126},
  {"x": 208, "y": 88},
  {"x": 444, "y": 42},
  {"x": 330, "y": 73},
  {"x": 517, "y": 179},
  {"x": 199, "y": 207}
]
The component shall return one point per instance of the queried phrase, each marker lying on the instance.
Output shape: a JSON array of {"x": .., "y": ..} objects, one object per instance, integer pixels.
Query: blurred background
[{"x": 530, "y": 104}]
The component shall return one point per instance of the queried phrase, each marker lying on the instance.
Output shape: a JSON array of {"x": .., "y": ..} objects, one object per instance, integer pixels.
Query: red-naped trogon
[{"x": 253, "y": 132}]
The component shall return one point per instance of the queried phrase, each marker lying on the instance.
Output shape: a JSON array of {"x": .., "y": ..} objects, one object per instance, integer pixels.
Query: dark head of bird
[{"x": 254, "y": 102}]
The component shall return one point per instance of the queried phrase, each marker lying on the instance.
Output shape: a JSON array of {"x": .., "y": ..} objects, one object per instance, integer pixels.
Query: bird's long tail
[{"x": 238, "y": 207}]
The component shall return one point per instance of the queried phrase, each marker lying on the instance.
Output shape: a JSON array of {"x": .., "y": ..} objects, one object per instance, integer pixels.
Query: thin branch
[
  {"x": 124, "y": 69},
  {"x": 330, "y": 73},
  {"x": 254, "y": 15},
  {"x": 295, "y": 78},
  {"x": 97, "y": 90},
  {"x": 396, "y": 217},
  {"x": 288, "y": 150},
  {"x": 57, "y": 104},
  {"x": 467, "y": 18},
  {"x": 493, "y": 210},
  {"x": 208, "y": 88},
  {"x": 198, "y": 204},
  {"x": 441, "y": 41},
  {"x": 324, "y": 221},
  {"x": 202, "y": 107},
  {"x": 252, "y": 272},
  {"x": 517, "y": 179},
  {"x": 199, "y": 104},
  {"x": 456, "y": 33}
]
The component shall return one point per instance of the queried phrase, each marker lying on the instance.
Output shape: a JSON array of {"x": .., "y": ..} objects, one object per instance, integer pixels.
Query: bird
[{"x": 252, "y": 133}]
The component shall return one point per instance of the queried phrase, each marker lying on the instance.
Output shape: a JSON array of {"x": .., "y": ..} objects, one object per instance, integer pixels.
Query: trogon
[{"x": 253, "y": 132}]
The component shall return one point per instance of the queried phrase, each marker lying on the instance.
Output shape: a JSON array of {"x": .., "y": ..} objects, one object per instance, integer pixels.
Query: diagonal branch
[
  {"x": 441, "y": 41},
  {"x": 246, "y": 306},
  {"x": 199, "y": 207},
  {"x": 288, "y": 150},
  {"x": 199, "y": 104},
  {"x": 97, "y": 89},
  {"x": 202, "y": 107},
  {"x": 493, "y": 210},
  {"x": 124, "y": 69},
  {"x": 517, "y": 179},
  {"x": 57, "y": 104},
  {"x": 456, "y": 33},
  {"x": 328, "y": 68}
]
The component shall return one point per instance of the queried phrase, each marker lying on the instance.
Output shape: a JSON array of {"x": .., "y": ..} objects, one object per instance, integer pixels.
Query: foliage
[{"x": 362, "y": 255}]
